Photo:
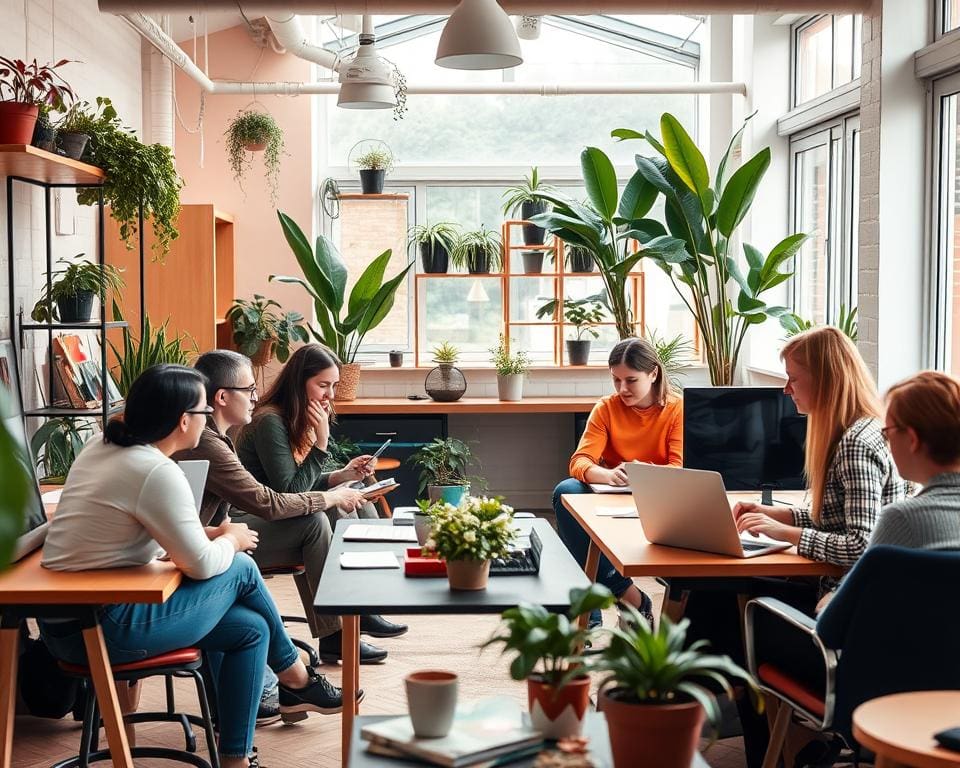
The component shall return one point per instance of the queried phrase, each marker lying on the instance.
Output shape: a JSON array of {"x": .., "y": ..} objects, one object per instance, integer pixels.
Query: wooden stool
[
  {"x": 185, "y": 662},
  {"x": 386, "y": 464}
]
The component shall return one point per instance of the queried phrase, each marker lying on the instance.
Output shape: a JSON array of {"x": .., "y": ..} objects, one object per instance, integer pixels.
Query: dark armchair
[{"x": 893, "y": 626}]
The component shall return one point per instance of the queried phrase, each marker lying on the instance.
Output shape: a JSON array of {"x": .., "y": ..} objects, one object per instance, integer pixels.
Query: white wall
[{"x": 105, "y": 56}]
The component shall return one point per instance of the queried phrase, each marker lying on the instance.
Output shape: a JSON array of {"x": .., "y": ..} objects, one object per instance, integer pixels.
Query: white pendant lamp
[
  {"x": 366, "y": 80},
  {"x": 478, "y": 35}
]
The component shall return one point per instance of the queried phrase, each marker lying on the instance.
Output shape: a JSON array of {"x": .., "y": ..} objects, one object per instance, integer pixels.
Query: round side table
[{"x": 899, "y": 728}]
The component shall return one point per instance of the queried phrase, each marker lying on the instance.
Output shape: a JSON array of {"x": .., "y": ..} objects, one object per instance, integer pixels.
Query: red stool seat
[
  {"x": 170, "y": 659},
  {"x": 792, "y": 689}
]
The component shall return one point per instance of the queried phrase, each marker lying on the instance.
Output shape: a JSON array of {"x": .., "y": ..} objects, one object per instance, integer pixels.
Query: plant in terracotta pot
[
  {"x": 468, "y": 536},
  {"x": 255, "y": 131},
  {"x": 70, "y": 295},
  {"x": 443, "y": 466},
  {"x": 654, "y": 689},
  {"x": 342, "y": 322},
  {"x": 436, "y": 243},
  {"x": 479, "y": 252},
  {"x": 260, "y": 333},
  {"x": 545, "y": 642},
  {"x": 582, "y": 314},
  {"x": 511, "y": 368},
  {"x": 374, "y": 165},
  {"x": 23, "y": 87},
  {"x": 525, "y": 197},
  {"x": 445, "y": 383}
]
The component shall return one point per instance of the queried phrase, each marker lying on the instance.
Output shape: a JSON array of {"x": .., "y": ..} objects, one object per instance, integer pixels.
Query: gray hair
[{"x": 223, "y": 368}]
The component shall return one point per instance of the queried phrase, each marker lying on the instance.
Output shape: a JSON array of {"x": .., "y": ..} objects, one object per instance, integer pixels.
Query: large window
[
  {"x": 949, "y": 15},
  {"x": 826, "y": 55},
  {"x": 825, "y": 191},
  {"x": 455, "y": 155},
  {"x": 946, "y": 272}
]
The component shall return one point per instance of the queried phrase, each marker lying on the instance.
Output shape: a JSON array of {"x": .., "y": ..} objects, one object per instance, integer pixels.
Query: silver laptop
[
  {"x": 689, "y": 508},
  {"x": 196, "y": 474}
]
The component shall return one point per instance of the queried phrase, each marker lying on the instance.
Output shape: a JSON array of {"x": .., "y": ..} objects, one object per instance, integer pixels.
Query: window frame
[{"x": 795, "y": 30}]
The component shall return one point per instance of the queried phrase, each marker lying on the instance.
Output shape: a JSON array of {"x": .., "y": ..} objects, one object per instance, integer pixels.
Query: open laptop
[
  {"x": 195, "y": 471},
  {"x": 689, "y": 508}
]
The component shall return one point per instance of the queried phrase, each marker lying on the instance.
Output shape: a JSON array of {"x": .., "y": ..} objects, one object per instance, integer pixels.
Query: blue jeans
[
  {"x": 577, "y": 541},
  {"x": 232, "y": 613}
]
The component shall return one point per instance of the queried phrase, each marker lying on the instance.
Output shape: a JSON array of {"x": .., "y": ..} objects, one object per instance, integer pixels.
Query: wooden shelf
[
  {"x": 459, "y": 274},
  {"x": 32, "y": 163},
  {"x": 57, "y": 411},
  {"x": 384, "y": 196},
  {"x": 94, "y": 325}
]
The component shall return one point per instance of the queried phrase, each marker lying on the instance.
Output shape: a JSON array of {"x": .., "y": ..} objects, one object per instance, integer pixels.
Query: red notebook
[{"x": 417, "y": 564}]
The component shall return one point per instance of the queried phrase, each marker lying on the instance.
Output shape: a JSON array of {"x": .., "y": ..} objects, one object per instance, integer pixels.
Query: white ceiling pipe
[
  {"x": 289, "y": 33},
  {"x": 150, "y": 30},
  {"x": 512, "y": 7}
]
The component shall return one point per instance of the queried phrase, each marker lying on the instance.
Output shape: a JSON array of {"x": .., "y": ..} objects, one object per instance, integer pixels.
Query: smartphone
[{"x": 381, "y": 449}]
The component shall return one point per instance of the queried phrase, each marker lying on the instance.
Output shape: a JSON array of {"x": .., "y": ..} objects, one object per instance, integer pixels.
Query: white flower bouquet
[{"x": 478, "y": 528}]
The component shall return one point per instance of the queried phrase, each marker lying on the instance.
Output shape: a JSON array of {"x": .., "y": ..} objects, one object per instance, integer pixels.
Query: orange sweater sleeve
[
  {"x": 675, "y": 437},
  {"x": 593, "y": 442}
]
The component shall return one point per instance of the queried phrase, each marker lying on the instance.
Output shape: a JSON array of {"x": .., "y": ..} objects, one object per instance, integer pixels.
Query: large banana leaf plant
[
  {"x": 325, "y": 279},
  {"x": 702, "y": 219}
]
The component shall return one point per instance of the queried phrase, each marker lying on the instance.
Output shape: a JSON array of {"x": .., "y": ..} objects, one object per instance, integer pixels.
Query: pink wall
[{"x": 260, "y": 248}]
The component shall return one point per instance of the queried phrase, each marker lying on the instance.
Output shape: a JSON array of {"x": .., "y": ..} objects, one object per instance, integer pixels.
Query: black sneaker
[
  {"x": 253, "y": 759},
  {"x": 319, "y": 695}
]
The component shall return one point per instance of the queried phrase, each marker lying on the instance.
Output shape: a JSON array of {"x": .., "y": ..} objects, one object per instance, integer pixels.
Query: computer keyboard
[
  {"x": 752, "y": 546},
  {"x": 521, "y": 562}
]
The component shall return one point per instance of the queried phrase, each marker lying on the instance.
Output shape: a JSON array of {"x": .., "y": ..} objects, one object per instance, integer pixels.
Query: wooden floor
[{"x": 449, "y": 642}]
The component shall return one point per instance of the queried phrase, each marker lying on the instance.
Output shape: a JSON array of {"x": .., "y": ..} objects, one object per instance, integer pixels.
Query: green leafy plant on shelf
[
  {"x": 529, "y": 191},
  {"x": 33, "y": 83},
  {"x": 260, "y": 333},
  {"x": 506, "y": 363},
  {"x": 325, "y": 279},
  {"x": 74, "y": 280},
  {"x": 582, "y": 314},
  {"x": 445, "y": 353},
  {"x": 793, "y": 324},
  {"x": 445, "y": 461},
  {"x": 376, "y": 159},
  {"x": 479, "y": 252},
  {"x": 56, "y": 445},
  {"x": 137, "y": 175},
  {"x": 156, "y": 346},
  {"x": 250, "y": 131}
]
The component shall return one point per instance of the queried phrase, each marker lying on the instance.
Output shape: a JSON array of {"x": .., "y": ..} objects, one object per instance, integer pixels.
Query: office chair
[{"x": 887, "y": 630}]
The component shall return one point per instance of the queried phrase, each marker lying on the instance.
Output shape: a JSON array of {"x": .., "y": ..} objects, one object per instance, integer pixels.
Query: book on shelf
[
  {"x": 80, "y": 374},
  {"x": 473, "y": 739}
]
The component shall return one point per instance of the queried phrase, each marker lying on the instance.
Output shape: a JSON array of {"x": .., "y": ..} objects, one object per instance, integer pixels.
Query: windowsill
[{"x": 379, "y": 368}]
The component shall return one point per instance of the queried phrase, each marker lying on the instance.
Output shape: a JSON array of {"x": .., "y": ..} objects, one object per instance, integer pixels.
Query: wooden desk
[
  {"x": 352, "y": 593},
  {"x": 28, "y": 589},
  {"x": 900, "y": 728},
  {"x": 393, "y": 405},
  {"x": 622, "y": 541}
]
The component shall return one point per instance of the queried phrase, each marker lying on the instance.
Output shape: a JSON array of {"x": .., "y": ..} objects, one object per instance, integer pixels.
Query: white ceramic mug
[
  {"x": 432, "y": 701},
  {"x": 422, "y": 525}
]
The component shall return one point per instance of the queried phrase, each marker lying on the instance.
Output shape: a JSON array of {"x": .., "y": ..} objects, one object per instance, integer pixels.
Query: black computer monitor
[{"x": 752, "y": 436}]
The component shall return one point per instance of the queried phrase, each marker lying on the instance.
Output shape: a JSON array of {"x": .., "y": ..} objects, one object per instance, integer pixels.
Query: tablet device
[{"x": 381, "y": 449}]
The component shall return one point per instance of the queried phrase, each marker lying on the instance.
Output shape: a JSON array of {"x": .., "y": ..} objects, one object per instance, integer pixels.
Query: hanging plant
[{"x": 252, "y": 131}]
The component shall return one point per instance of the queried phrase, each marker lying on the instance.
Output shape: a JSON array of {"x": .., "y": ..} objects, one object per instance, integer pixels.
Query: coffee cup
[{"x": 432, "y": 701}]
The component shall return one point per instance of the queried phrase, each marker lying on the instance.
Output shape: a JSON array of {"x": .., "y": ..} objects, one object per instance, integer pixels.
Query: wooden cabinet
[{"x": 193, "y": 285}]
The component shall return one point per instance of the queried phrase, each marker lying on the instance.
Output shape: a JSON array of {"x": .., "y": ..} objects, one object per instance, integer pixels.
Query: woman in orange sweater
[{"x": 642, "y": 421}]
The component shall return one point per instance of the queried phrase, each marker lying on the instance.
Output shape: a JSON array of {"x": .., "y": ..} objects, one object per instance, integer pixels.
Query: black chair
[{"x": 892, "y": 627}]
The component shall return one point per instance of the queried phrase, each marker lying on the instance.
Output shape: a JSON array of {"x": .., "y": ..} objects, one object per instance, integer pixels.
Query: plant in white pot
[
  {"x": 654, "y": 689},
  {"x": 511, "y": 368},
  {"x": 468, "y": 536},
  {"x": 582, "y": 314},
  {"x": 558, "y": 692}
]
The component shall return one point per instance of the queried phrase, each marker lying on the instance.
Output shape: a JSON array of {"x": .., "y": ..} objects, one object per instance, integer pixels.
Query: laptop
[
  {"x": 688, "y": 508},
  {"x": 196, "y": 473}
]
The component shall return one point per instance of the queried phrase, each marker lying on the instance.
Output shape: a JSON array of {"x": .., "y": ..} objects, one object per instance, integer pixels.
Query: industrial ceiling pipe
[{"x": 513, "y": 7}]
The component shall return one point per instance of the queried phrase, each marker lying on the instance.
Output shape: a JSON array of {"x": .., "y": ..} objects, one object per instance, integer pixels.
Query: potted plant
[
  {"x": 23, "y": 87},
  {"x": 445, "y": 383},
  {"x": 510, "y": 370},
  {"x": 56, "y": 445},
  {"x": 654, "y": 689},
  {"x": 374, "y": 165},
  {"x": 545, "y": 642},
  {"x": 526, "y": 198},
  {"x": 582, "y": 314},
  {"x": 71, "y": 134},
  {"x": 45, "y": 132},
  {"x": 580, "y": 259},
  {"x": 443, "y": 466},
  {"x": 139, "y": 177},
  {"x": 533, "y": 261},
  {"x": 468, "y": 536},
  {"x": 341, "y": 327},
  {"x": 68, "y": 298},
  {"x": 260, "y": 333},
  {"x": 479, "y": 251},
  {"x": 255, "y": 131},
  {"x": 436, "y": 243},
  {"x": 793, "y": 324},
  {"x": 135, "y": 355}
]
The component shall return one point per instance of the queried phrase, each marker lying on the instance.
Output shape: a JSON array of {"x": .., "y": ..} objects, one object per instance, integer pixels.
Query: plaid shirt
[{"x": 861, "y": 479}]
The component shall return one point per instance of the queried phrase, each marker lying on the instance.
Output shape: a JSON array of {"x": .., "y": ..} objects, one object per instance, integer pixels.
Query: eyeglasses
[
  {"x": 251, "y": 390},
  {"x": 885, "y": 431},
  {"x": 205, "y": 411}
]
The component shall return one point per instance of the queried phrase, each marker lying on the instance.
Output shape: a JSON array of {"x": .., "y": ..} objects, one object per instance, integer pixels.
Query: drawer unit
[{"x": 407, "y": 433}]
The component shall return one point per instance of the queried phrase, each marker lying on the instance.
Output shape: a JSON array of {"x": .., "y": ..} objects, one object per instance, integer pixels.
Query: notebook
[
  {"x": 605, "y": 488},
  {"x": 361, "y": 532},
  {"x": 365, "y": 560}
]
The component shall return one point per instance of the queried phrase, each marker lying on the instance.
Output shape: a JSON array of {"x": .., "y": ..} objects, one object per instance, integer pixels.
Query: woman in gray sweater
[{"x": 923, "y": 430}]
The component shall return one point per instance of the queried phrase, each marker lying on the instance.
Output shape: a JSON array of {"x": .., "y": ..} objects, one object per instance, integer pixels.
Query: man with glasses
[{"x": 292, "y": 526}]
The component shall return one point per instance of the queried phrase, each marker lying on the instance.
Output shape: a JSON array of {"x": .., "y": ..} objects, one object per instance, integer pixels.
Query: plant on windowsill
[
  {"x": 255, "y": 131},
  {"x": 467, "y": 536},
  {"x": 526, "y": 197},
  {"x": 793, "y": 324},
  {"x": 325, "y": 279},
  {"x": 374, "y": 165},
  {"x": 436, "y": 243},
  {"x": 582, "y": 314},
  {"x": 23, "y": 88},
  {"x": 511, "y": 368},
  {"x": 70, "y": 296},
  {"x": 445, "y": 383},
  {"x": 479, "y": 252},
  {"x": 444, "y": 464},
  {"x": 659, "y": 685},
  {"x": 56, "y": 445},
  {"x": 545, "y": 642},
  {"x": 260, "y": 333},
  {"x": 676, "y": 355}
]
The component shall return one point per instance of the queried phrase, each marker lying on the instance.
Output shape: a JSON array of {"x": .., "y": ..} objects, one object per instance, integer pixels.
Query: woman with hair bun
[{"x": 124, "y": 503}]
